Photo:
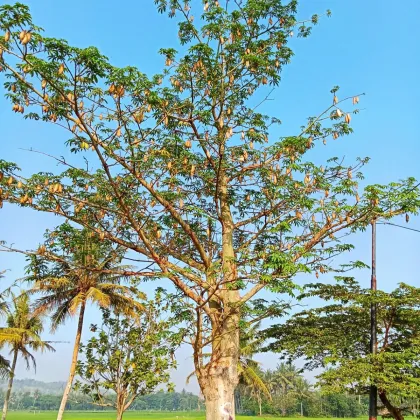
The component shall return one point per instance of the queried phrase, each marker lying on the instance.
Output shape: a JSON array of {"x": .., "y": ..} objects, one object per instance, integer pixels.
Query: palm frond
[{"x": 253, "y": 379}]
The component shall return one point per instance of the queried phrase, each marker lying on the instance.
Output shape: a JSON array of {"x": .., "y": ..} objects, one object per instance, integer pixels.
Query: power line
[{"x": 402, "y": 227}]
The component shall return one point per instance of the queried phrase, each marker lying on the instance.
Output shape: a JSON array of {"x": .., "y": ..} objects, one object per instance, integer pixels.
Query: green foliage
[
  {"x": 185, "y": 171},
  {"x": 283, "y": 207},
  {"x": 127, "y": 358},
  {"x": 73, "y": 267},
  {"x": 27, "y": 327},
  {"x": 291, "y": 394},
  {"x": 336, "y": 337}
]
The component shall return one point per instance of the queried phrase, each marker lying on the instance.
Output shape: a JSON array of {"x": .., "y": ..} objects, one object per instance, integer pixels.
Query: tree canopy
[
  {"x": 336, "y": 338},
  {"x": 186, "y": 172}
]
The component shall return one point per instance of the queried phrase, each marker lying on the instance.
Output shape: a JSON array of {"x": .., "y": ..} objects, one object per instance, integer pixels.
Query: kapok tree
[{"x": 186, "y": 172}]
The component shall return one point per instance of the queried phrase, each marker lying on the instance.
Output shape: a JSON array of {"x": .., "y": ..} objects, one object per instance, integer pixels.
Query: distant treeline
[
  {"x": 159, "y": 401},
  {"x": 33, "y": 385}
]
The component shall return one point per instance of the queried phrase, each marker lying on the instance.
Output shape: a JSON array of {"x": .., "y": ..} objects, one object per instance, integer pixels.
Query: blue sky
[{"x": 366, "y": 46}]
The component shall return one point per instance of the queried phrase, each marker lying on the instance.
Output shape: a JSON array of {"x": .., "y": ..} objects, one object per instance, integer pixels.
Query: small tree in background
[
  {"x": 336, "y": 338},
  {"x": 187, "y": 173},
  {"x": 127, "y": 358}
]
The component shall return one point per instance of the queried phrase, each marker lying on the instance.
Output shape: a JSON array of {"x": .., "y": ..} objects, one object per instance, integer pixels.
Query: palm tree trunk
[
  {"x": 9, "y": 388},
  {"x": 73, "y": 363}
]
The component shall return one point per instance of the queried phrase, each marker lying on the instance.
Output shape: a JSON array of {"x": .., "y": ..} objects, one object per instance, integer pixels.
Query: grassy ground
[{"x": 140, "y": 415}]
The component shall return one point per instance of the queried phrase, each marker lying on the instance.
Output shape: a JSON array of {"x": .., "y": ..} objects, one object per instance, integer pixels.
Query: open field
[{"x": 139, "y": 415}]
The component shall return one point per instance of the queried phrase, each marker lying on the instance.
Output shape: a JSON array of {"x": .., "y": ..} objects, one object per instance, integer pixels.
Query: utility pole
[{"x": 373, "y": 395}]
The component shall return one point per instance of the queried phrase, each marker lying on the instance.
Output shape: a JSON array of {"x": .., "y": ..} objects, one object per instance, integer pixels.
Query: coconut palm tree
[
  {"x": 75, "y": 267},
  {"x": 302, "y": 390},
  {"x": 281, "y": 382},
  {"x": 250, "y": 373},
  {"x": 7, "y": 335},
  {"x": 27, "y": 326}
]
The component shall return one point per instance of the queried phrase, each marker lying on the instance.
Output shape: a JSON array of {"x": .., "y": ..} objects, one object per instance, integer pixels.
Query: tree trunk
[
  {"x": 219, "y": 380},
  {"x": 301, "y": 409},
  {"x": 73, "y": 363},
  {"x": 394, "y": 411},
  {"x": 120, "y": 414},
  {"x": 9, "y": 387},
  {"x": 283, "y": 412},
  {"x": 260, "y": 406}
]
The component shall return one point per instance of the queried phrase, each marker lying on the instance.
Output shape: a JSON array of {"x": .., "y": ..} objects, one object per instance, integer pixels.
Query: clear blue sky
[{"x": 366, "y": 46}]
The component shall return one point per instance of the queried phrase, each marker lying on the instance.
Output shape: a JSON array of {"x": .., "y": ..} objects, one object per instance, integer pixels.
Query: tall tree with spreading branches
[{"x": 186, "y": 172}]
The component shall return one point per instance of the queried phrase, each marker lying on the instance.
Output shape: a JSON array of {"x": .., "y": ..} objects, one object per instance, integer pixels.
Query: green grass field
[{"x": 87, "y": 415}]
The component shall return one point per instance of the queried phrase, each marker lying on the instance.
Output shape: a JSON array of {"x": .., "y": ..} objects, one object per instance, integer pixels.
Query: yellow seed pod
[
  {"x": 25, "y": 40},
  {"x": 7, "y": 36},
  {"x": 61, "y": 69},
  {"x": 347, "y": 118}
]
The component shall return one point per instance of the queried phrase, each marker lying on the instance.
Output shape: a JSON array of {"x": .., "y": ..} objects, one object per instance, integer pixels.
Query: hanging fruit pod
[{"x": 60, "y": 69}]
